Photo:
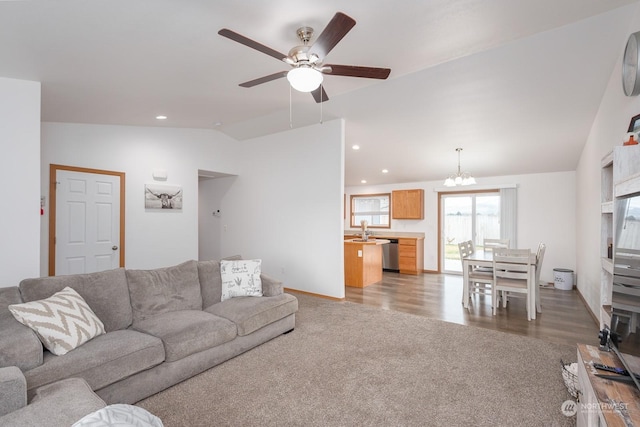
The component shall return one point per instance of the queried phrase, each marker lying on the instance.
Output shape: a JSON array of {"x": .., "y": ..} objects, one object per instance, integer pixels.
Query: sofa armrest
[
  {"x": 271, "y": 287},
  {"x": 13, "y": 390},
  {"x": 19, "y": 345},
  {"x": 60, "y": 403}
]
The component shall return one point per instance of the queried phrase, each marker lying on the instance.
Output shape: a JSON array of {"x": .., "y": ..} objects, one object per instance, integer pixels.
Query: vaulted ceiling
[{"x": 515, "y": 84}]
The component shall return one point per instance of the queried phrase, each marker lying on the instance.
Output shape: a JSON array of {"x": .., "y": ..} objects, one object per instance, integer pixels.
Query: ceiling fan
[{"x": 307, "y": 70}]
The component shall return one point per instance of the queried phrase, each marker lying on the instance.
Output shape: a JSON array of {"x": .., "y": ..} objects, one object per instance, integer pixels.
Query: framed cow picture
[{"x": 162, "y": 197}]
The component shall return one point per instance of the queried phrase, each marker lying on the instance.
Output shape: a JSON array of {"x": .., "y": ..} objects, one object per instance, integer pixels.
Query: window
[
  {"x": 373, "y": 208},
  {"x": 471, "y": 216}
]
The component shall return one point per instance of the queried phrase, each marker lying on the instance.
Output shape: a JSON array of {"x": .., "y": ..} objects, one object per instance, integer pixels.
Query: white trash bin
[{"x": 563, "y": 279}]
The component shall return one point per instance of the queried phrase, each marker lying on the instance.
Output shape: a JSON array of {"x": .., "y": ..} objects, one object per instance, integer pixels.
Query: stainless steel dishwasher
[{"x": 390, "y": 260}]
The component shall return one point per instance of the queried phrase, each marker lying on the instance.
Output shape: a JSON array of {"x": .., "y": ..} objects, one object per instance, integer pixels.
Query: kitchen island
[
  {"x": 410, "y": 248},
  {"x": 363, "y": 262}
]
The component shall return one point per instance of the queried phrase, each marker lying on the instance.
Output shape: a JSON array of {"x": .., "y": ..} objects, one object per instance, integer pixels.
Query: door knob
[{"x": 115, "y": 248}]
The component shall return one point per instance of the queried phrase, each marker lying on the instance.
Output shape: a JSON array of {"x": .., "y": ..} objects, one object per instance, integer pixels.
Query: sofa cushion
[
  {"x": 164, "y": 290},
  {"x": 20, "y": 345},
  {"x": 186, "y": 332},
  {"x": 250, "y": 314},
  {"x": 241, "y": 278},
  {"x": 211, "y": 281},
  {"x": 106, "y": 292},
  {"x": 63, "y": 321},
  {"x": 101, "y": 361}
]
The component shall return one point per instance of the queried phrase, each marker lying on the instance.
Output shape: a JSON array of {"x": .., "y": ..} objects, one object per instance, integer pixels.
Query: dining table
[{"x": 482, "y": 258}]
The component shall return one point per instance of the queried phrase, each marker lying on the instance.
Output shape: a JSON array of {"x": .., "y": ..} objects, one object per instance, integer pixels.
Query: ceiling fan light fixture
[{"x": 304, "y": 79}]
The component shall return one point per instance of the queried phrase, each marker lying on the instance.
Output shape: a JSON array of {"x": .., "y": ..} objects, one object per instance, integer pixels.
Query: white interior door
[{"x": 87, "y": 237}]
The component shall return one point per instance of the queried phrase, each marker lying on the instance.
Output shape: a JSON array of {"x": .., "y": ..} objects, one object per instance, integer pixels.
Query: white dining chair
[
  {"x": 539, "y": 258},
  {"x": 491, "y": 244},
  {"x": 480, "y": 282},
  {"x": 466, "y": 249},
  {"x": 511, "y": 269}
]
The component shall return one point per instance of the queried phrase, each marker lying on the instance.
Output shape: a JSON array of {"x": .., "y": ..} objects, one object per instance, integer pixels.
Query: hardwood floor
[{"x": 564, "y": 318}]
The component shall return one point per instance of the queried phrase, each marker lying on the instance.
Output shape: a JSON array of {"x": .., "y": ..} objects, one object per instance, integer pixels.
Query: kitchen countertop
[
  {"x": 387, "y": 234},
  {"x": 371, "y": 241}
]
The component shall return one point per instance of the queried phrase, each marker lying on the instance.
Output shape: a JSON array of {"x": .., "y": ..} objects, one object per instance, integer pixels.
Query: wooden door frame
[{"x": 53, "y": 171}]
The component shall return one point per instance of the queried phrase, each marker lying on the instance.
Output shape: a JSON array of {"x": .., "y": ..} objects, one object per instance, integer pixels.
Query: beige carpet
[{"x": 347, "y": 364}]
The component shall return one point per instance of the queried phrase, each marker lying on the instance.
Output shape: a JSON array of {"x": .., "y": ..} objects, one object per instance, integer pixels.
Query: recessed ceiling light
[
  {"x": 364, "y": 181},
  {"x": 385, "y": 170},
  {"x": 355, "y": 147},
  {"x": 161, "y": 117},
  {"x": 216, "y": 124}
]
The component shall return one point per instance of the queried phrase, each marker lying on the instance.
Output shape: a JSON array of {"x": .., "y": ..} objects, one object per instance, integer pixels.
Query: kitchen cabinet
[
  {"x": 407, "y": 204},
  {"x": 411, "y": 255}
]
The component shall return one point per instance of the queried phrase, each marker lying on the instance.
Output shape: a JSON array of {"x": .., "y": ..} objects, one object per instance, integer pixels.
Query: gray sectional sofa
[{"x": 162, "y": 327}]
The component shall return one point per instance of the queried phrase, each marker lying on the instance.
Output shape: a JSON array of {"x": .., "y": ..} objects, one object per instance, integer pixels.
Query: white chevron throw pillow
[
  {"x": 63, "y": 321},
  {"x": 119, "y": 415}
]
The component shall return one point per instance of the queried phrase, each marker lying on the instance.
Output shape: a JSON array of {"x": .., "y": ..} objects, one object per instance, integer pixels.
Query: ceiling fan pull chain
[{"x": 321, "y": 102}]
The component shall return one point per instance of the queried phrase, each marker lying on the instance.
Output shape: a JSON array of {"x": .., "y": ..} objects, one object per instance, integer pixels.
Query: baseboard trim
[
  {"x": 595, "y": 318},
  {"x": 313, "y": 294}
]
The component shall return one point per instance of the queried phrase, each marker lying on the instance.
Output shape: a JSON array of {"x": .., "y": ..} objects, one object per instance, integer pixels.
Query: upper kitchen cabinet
[{"x": 407, "y": 204}]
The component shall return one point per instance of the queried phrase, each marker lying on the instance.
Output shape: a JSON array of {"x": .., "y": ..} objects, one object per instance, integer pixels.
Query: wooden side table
[{"x": 606, "y": 402}]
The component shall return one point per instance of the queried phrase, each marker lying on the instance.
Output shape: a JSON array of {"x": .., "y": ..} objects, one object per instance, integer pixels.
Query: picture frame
[
  {"x": 634, "y": 125},
  {"x": 162, "y": 196}
]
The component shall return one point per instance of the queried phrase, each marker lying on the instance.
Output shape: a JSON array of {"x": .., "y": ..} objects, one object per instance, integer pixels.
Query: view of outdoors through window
[
  {"x": 628, "y": 235},
  {"x": 373, "y": 208},
  {"x": 467, "y": 217}
]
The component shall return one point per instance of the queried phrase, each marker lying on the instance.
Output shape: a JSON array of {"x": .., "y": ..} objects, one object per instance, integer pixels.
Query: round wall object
[{"x": 631, "y": 66}]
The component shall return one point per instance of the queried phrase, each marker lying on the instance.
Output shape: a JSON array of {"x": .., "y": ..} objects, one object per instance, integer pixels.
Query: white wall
[
  {"x": 546, "y": 213},
  {"x": 286, "y": 207},
  {"x": 608, "y": 131},
  {"x": 20, "y": 175},
  {"x": 154, "y": 238}
]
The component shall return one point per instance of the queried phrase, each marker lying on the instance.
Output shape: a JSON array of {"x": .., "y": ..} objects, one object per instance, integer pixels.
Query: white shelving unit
[
  {"x": 620, "y": 177},
  {"x": 606, "y": 238}
]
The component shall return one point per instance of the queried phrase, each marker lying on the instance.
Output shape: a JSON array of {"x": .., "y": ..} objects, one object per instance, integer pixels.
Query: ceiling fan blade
[
  {"x": 357, "y": 71},
  {"x": 320, "y": 95},
  {"x": 335, "y": 30},
  {"x": 264, "y": 79},
  {"x": 251, "y": 43}
]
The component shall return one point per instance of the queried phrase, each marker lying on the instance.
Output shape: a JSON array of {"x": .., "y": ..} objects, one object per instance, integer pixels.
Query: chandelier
[{"x": 460, "y": 178}]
